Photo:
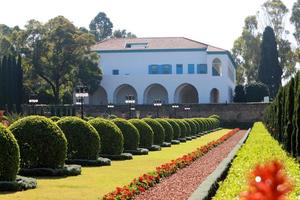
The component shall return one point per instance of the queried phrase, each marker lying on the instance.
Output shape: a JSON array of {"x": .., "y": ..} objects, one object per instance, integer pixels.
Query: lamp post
[
  {"x": 110, "y": 107},
  {"x": 81, "y": 93},
  {"x": 175, "y": 107},
  {"x": 157, "y": 103},
  {"x": 130, "y": 99},
  {"x": 187, "y": 109},
  {"x": 33, "y": 100}
]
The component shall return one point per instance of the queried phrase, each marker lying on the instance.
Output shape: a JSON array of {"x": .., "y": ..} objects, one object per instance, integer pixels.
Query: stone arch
[
  {"x": 99, "y": 97},
  {"x": 214, "y": 96},
  {"x": 122, "y": 91},
  {"x": 186, "y": 93},
  {"x": 155, "y": 91},
  {"x": 216, "y": 67}
]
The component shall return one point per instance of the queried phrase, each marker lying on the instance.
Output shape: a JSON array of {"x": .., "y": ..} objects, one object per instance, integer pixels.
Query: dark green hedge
[
  {"x": 42, "y": 143},
  {"x": 169, "y": 133},
  {"x": 9, "y": 155},
  {"x": 130, "y": 133},
  {"x": 112, "y": 141},
  {"x": 145, "y": 131},
  {"x": 159, "y": 131},
  {"x": 192, "y": 125},
  {"x": 83, "y": 139},
  {"x": 183, "y": 128},
  {"x": 55, "y": 118},
  {"x": 175, "y": 127},
  {"x": 188, "y": 128}
]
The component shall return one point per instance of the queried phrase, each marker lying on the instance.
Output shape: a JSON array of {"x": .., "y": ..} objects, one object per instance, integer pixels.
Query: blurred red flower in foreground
[{"x": 268, "y": 182}]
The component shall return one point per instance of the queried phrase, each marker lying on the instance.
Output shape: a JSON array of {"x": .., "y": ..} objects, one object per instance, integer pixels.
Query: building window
[
  {"x": 179, "y": 69},
  {"x": 216, "y": 67},
  {"x": 115, "y": 72},
  {"x": 166, "y": 69},
  {"x": 191, "y": 68},
  {"x": 153, "y": 69},
  {"x": 201, "y": 69}
]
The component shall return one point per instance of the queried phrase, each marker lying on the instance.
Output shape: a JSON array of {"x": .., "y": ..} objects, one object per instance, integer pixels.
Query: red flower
[
  {"x": 141, "y": 189},
  {"x": 268, "y": 182}
]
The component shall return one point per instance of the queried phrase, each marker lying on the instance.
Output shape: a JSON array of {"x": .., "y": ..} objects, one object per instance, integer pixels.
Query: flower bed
[
  {"x": 259, "y": 148},
  {"x": 142, "y": 183}
]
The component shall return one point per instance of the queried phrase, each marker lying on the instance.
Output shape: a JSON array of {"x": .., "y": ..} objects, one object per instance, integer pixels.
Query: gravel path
[{"x": 182, "y": 184}]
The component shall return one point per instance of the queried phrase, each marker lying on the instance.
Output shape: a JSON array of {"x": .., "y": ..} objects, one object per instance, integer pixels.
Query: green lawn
[{"x": 97, "y": 181}]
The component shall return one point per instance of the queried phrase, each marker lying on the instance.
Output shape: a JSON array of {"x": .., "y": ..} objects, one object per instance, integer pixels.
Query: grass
[
  {"x": 259, "y": 148},
  {"x": 97, "y": 181}
]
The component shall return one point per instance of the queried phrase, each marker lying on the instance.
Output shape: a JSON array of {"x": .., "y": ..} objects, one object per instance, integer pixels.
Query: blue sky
[{"x": 216, "y": 22}]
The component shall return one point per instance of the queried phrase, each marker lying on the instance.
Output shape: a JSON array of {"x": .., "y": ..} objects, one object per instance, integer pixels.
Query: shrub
[
  {"x": 192, "y": 124},
  {"x": 169, "y": 133},
  {"x": 188, "y": 127},
  {"x": 175, "y": 127},
  {"x": 145, "y": 132},
  {"x": 130, "y": 133},
  {"x": 255, "y": 92},
  {"x": 183, "y": 128},
  {"x": 83, "y": 139},
  {"x": 55, "y": 118},
  {"x": 159, "y": 131},
  {"x": 239, "y": 94},
  {"x": 112, "y": 141},
  {"x": 9, "y": 155},
  {"x": 42, "y": 143}
]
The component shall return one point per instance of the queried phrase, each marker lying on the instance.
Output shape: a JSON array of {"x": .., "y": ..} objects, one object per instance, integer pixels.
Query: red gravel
[{"x": 183, "y": 183}]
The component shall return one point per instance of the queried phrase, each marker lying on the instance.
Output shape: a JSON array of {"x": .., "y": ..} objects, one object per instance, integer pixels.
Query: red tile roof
[{"x": 153, "y": 43}]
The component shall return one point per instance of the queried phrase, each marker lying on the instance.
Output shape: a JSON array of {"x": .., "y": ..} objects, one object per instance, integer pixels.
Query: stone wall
[{"x": 240, "y": 113}]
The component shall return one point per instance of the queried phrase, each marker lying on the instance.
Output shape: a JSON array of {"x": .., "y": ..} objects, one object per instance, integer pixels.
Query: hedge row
[
  {"x": 40, "y": 142},
  {"x": 255, "y": 151},
  {"x": 282, "y": 117}
]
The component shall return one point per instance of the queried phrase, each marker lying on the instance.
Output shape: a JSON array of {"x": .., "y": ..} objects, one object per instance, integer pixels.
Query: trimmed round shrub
[
  {"x": 183, "y": 128},
  {"x": 159, "y": 131},
  {"x": 42, "y": 143},
  {"x": 145, "y": 131},
  {"x": 112, "y": 141},
  {"x": 192, "y": 125},
  {"x": 130, "y": 133},
  {"x": 198, "y": 126},
  {"x": 175, "y": 127},
  {"x": 9, "y": 155},
  {"x": 83, "y": 139},
  {"x": 55, "y": 118},
  {"x": 188, "y": 128},
  {"x": 168, "y": 129}
]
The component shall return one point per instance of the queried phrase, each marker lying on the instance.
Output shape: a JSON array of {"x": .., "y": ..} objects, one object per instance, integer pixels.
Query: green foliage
[
  {"x": 123, "y": 34},
  {"x": 255, "y": 92},
  {"x": 269, "y": 71},
  {"x": 9, "y": 155},
  {"x": 12, "y": 117},
  {"x": 101, "y": 27},
  {"x": 188, "y": 127},
  {"x": 159, "y": 131},
  {"x": 41, "y": 142},
  {"x": 175, "y": 127},
  {"x": 83, "y": 139},
  {"x": 239, "y": 94},
  {"x": 183, "y": 128},
  {"x": 130, "y": 133},
  {"x": 253, "y": 152},
  {"x": 193, "y": 126},
  {"x": 169, "y": 133},
  {"x": 295, "y": 19},
  {"x": 145, "y": 131},
  {"x": 112, "y": 141},
  {"x": 55, "y": 118}
]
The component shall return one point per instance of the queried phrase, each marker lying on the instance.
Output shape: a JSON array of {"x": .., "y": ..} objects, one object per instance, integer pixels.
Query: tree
[
  {"x": 246, "y": 51},
  {"x": 123, "y": 34},
  {"x": 295, "y": 19},
  {"x": 289, "y": 111},
  {"x": 101, "y": 27},
  {"x": 255, "y": 92},
  {"x": 269, "y": 71},
  {"x": 239, "y": 94}
]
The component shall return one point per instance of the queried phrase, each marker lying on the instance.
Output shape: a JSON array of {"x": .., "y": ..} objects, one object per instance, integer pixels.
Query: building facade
[{"x": 171, "y": 69}]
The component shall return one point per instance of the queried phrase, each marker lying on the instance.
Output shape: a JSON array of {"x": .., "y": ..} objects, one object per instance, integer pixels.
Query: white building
[{"x": 171, "y": 69}]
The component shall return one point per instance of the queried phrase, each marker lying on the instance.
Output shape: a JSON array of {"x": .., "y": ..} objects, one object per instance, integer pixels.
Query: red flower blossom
[{"x": 268, "y": 182}]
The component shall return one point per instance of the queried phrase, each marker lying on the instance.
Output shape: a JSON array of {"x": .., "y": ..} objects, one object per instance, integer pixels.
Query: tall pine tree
[{"x": 269, "y": 71}]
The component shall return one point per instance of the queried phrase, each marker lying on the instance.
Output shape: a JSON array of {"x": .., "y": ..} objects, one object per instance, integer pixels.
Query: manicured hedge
[
  {"x": 193, "y": 126},
  {"x": 112, "y": 141},
  {"x": 145, "y": 131},
  {"x": 42, "y": 143},
  {"x": 259, "y": 148},
  {"x": 83, "y": 139},
  {"x": 55, "y": 118},
  {"x": 183, "y": 128},
  {"x": 130, "y": 133},
  {"x": 169, "y": 133},
  {"x": 188, "y": 127},
  {"x": 9, "y": 155},
  {"x": 159, "y": 131},
  {"x": 175, "y": 127}
]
